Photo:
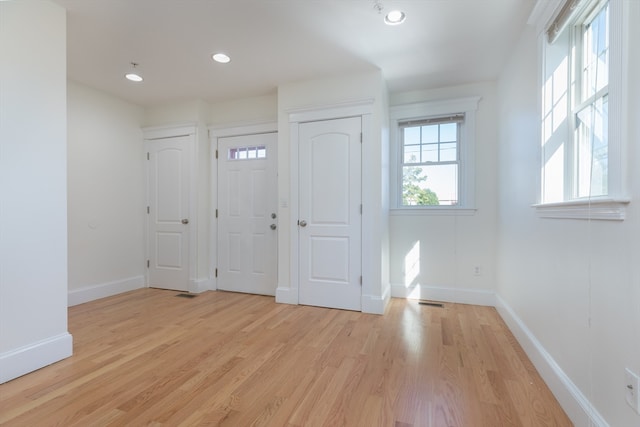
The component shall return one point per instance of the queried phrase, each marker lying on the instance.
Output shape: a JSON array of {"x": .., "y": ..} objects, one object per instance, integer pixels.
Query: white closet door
[{"x": 329, "y": 226}]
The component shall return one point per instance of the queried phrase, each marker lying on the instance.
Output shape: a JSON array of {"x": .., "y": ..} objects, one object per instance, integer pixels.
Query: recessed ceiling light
[
  {"x": 221, "y": 58},
  {"x": 395, "y": 17},
  {"x": 132, "y": 75}
]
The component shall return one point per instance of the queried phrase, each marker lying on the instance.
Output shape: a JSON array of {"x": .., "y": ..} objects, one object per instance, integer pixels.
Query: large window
[
  {"x": 432, "y": 161},
  {"x": 583, "y": 124}
]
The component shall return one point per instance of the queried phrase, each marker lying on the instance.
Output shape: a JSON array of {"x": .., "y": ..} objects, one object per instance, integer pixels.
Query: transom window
[
  {"x": 430, "y": 162},
  {"x": 247, "y": 153}
]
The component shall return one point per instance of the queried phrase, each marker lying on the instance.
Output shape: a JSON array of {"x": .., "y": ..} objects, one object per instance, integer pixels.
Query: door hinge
[
  {"x": 216, "y": 154},
  {"x": 361, "y": 209},
  {"x": 216, "y": 213},
  {"x": 148, "y": 210},
  {"x": 360, "y": 137},
  {"x": 148, "y": 156},
  {"x": 216, "y": 272},
  {"x": 361, "y": 280},
  {"x": 148, "y": 264}
]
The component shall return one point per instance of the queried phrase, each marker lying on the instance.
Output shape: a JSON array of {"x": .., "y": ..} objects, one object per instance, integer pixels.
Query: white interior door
[
  {"x": 169, "y": 213},
  {"x": 247, "y": 194},
  {"x": 330, "y": 200}
]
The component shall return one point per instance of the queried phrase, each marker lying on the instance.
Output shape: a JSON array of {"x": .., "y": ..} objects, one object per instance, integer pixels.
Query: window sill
[
  {"x": 596, "y": 209},
  {"x": 432, "y": 211}
]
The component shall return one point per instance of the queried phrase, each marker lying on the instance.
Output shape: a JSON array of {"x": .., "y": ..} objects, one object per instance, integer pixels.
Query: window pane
[
  {"x": 262, "y": 152},
  {"x": 252, "y": 153},
  {"x": 429, "y": 134},
  {"x": 415, "y": 189},
  {"x": 448, "y": 152},
  {"x": 430, "y": 185},
  {"x": 429, "y": 153},
  {"x": 592, "y": 151},
  {"x": 411, "y": 136},
  {"x": 411, "y": 154},
  {"x": 449, "y": 132},
  {"x": 595, "y": 52}
]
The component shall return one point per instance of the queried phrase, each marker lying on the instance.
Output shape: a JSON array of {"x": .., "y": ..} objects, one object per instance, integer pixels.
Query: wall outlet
[
  {"x": 477, "y": 270},
  {"x": 632, "y": 389}
]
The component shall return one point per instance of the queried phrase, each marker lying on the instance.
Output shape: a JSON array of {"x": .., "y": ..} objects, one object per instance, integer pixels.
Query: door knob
[
  {"x": 273, "y": 226},
  {"x": 302, "y": 223},
  {"x": 273, "y": 215},
  {"x": 185, "y": 221}
]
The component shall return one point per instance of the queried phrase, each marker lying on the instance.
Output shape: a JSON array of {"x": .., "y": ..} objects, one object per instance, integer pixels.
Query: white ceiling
[{"x": 271, "y": 42}]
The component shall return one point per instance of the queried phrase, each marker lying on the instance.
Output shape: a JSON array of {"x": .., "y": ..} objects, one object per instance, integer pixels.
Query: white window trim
[
  {"x": 612, "y": 206},
  {"x": 596, "y": 209},
  {"x": 420, "y": 110}
]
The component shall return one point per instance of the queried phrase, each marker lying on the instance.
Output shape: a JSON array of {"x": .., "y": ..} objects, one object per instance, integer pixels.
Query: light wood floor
[{"x": 149, "y": 358}]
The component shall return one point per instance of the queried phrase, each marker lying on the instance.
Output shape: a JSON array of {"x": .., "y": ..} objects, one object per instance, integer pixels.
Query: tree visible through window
[{"x": 430, "y": 161}]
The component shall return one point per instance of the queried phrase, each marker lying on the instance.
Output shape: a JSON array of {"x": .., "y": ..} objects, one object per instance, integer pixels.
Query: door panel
[
  {"x": 329, "y": 259},
  {"x": 247, "y": 193},
  {"x": 168, "y": 207},
  {"x": 329, "y": 208}
]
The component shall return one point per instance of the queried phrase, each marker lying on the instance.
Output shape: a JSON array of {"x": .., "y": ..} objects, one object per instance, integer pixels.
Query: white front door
[
  {"x": 247, "y": 207},
  {"x": 330, "y": 213},
  {"x": 168, "y": 177}
]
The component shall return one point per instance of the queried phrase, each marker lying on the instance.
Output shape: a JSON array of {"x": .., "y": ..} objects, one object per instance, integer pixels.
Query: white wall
[
  {"x": 33, "y": 194},
  {"x": 323, "y": 93},
  {"x": 106, "y": 195},
  {"x": 258, "y": 109},
  {"x": 569, "y": 289},
  {"x": 178, "y": 113},
  {"x": 451, "y": 246}
]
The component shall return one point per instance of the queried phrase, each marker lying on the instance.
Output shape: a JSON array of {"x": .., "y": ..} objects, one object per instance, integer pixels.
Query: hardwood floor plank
[{"x": 149, "y": 358}]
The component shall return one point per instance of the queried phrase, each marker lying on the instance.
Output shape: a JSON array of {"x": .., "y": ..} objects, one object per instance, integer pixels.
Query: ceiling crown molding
[{"x": 543, "y": 12}]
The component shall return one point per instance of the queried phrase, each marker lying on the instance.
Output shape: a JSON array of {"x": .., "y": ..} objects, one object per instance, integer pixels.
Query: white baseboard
[
  {"x": 286, "y": 295},
  {"x": 573, "y": 401},
  {"x": 94, "y": 292},
  {"x": 29, "y": 358},
  {"x": 198, "y": 286},
  {"x": 376, "y": 304},
  {"x": 453, "y": 295}
]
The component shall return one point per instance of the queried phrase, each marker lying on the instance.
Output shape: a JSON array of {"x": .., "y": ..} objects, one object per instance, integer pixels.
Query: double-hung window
[
  {"x": 430, "y": 161},
  {"x": 582, "y": 112},
  {"x": 432, "y": 158}
]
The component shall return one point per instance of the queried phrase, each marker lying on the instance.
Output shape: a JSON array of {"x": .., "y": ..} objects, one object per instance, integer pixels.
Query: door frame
[
  {"x": 215, "y": 132},
  {"x": 364, "y": 110},
  {"x": 157, "y": 133}
]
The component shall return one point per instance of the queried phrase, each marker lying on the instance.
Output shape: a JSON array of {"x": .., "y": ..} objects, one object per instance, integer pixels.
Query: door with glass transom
[
  {"x": 329, "y": 224},
  {"x": 247, "y": 213}
]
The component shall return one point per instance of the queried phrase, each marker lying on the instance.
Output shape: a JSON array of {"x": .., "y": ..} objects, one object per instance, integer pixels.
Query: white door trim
[
  {"x": 215, "y": 132},
  {"x": 155, "y": 133},
  {"x": 362, "y": 108}
]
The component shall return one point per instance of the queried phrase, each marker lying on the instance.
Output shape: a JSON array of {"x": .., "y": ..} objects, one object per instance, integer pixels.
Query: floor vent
[
  {"x": 187, "y": 295},
  {"x": 431, "y": 304}
]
